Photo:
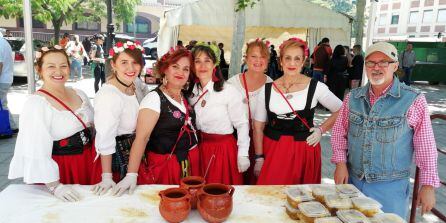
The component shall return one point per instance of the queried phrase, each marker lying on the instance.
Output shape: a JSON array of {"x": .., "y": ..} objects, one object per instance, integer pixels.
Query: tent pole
[{"x": 29, "y": 46}]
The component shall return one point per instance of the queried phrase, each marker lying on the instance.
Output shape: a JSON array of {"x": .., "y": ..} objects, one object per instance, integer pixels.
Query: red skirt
[
  {"x": 80, "y": 168},
  {"x": 290, "y": 162},
  {"x": 159, "y": 169},
  {"x": 223, "y": 168},
  {"x": 248, "y": 176}
]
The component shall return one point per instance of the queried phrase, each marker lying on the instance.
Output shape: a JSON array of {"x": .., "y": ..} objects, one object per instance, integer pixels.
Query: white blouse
[
  {"x": 279, "y": 106},
  {"x": 40, "y": 125},
  {"x": 223, "y": 112},
  {"x": 152, "y": 101},
  {"x": 115, "y": 114},
  {"x": 236, "y": 81}
]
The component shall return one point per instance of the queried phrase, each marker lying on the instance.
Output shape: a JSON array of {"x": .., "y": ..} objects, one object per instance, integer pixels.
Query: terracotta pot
[
  {"x": 215, "y": 202},
  {"x": 192, "y": 184},
  {"x": 175, "y": 204}
]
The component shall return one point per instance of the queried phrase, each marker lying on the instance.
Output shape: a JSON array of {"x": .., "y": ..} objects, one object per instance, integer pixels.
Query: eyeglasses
[{"x": 383, "y": 64}]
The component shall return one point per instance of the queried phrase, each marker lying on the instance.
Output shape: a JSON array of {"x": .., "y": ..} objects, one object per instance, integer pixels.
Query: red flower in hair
[
  {"x": 137, "y": 42},
  {"x": 111, "y": 52},
  {"x": 63, "y": 142},
  {"x": 132, "y": 47},
  {"x": 119, "y": 44}
]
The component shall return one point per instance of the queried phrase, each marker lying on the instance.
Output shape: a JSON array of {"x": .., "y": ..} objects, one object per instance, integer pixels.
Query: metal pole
[
  {"x": 27, "y": 19},
  {"x": 371, "y": 23}
]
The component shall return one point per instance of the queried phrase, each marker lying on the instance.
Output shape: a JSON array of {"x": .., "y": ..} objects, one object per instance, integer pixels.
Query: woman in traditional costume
[
  {"x": 116, "y": 111},
  {"x": 249, "y": 84},
  {"x": 219, "y": 109},
  {"x": 54, "y": 145},
  {"x": 285, "y": 138},
  {"x": 166, "y": 140}
]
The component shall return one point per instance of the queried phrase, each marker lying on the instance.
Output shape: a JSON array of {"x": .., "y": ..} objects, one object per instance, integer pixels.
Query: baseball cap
[{"x": 383, "y": 47}]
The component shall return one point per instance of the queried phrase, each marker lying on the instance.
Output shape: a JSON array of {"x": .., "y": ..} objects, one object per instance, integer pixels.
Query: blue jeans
[
  {"x": 318, "y": 75},
  {"x": 4, "y": 88},
  {"x": 76, "y": 68},
  {"x": 393, "y": 195},
  {"x": 407, "y": 75}
]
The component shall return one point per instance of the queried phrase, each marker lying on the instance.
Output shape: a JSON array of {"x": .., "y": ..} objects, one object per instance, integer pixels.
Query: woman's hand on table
[
  {"x": 66, "y": 193},
  {"x": 128, "y": 183},
  {"x": 106, "y": 183}
]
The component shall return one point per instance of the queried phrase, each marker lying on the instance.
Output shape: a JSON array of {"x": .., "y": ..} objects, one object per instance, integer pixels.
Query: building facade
[
  {"x": 145, "y": 25},
  {"x": 424, "y": 20}
]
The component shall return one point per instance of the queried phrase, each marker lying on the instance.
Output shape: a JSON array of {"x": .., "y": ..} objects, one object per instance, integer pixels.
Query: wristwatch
[{"x": 256, "y": 156}]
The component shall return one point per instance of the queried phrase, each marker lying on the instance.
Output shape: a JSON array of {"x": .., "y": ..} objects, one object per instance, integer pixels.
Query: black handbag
[{"x": 120, "y": 159}]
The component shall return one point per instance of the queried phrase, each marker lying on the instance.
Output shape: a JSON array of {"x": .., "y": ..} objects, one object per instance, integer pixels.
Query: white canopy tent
[{"x": 212, "y": 20}]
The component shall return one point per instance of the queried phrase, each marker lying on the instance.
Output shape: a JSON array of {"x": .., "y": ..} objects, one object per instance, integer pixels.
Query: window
[
  {"x": 36, "y": 23},
  {"x": 87, "y": 25},
  {"x": 395, "y": 19},
  {"x": 382, "y": 19},
  {"x": 143, "y": 25},
  {"x": 428, "y": 16},
  {"x": 413, "y": 17},
  {"x": 441, "y": 15}
]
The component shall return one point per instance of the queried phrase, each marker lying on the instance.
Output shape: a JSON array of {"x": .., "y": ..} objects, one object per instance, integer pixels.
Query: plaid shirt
[{"x": 423, "y": 137}]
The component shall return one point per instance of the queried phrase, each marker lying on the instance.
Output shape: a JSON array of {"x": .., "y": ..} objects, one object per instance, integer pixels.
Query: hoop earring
[{"x": 164, "y": 81}]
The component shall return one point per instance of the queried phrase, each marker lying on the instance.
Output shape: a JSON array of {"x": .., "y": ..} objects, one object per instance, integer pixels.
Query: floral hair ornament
[
  {"x": 214, "y": 49},
  {"x": 120, "y": 47},
  {"x": 45, "y": 49},
  {"x": 297, "y": 40},
  {"x": 261, "y": 40}
]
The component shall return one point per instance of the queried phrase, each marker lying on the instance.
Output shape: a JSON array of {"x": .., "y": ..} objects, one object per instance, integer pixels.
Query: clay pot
[
  {"x": 192, "y": 184},
  {"x": 215, "y": 202},
  {"x": 175, "y": 204}
]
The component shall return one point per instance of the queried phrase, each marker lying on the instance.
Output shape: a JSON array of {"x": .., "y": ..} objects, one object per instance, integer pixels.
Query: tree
[
  {"x": 59, "y": 12},
  {"x": 238, "y": 34},
  {"x": 360, "y": 8}
]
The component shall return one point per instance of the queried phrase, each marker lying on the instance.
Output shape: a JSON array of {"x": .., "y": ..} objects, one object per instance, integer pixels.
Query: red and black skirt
[{"x": 290, "y": 162}]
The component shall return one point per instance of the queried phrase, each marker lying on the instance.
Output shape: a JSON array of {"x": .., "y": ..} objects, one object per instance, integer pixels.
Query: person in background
[
  {"x": 8, "y": 33},
  {"x": 321, "y": 59},
  {"x": 273, "y": 67},
  {"x": 382, "y": 126},
  {"x": 357, "y": 67},
  {"x": 407, "y": 61},
  {"x": 97, "y": 57},
  {"x": 55, "y": 144},
  {"x": 6, "y": 78},
  {"x": 77, "y": 53},
  {"x": 285, "y": 138},
  {"x": 191, "y": 44},
  {"x": 179, "y": 45},
  {"x": 87, "y": 46},
  {"x": 64, "y": 41},
  {"x": 223, "y": 65},
  {"x": 337, "y": 78}
]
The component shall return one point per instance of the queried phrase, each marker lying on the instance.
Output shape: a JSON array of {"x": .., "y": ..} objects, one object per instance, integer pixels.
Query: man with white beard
[{"x": 380, "y": 127}]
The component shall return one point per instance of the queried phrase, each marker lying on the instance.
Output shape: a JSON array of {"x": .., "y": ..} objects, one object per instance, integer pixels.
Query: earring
[{"x": 164, "y": 81}]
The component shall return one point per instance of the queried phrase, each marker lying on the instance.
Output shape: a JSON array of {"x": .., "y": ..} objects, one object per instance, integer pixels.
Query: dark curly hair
[{"x": 218, "y": 86}]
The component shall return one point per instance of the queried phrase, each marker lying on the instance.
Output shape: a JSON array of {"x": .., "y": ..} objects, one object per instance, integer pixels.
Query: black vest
[
  {"x": 167, "y": 129},
  {"x": 276, "y": 127}
]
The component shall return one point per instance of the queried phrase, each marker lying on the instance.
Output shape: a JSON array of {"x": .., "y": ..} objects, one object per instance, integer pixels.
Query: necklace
[
  {"x": 287, "y": 89},
  {"x": 129, "y": 89},
  {"x": 176, "y": 97}
]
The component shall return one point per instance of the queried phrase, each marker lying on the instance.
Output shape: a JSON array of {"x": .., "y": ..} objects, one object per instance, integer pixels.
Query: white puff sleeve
[
  {"x": 238, "y": 116},
  {"x": 260, "y": 113},
  {"x": 151, "y": 101},
  {"x": 32, "y": 155},
  {"x": 107, "y": 111}
]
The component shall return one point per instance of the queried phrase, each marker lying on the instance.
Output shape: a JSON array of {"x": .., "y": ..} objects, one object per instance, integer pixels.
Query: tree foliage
[
  {"x": 242, "y": 4},
  {"x": 59, "y": 12}
]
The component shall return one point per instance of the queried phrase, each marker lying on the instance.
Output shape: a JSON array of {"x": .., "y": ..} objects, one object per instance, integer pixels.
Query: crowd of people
[{"x": 256, "y": 128}]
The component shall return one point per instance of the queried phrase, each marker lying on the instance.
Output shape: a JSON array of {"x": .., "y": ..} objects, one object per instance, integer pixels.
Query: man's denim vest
[{"x": 380, "y": 146}]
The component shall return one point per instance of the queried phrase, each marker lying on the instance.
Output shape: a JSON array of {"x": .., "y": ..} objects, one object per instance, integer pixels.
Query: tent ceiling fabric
[
  {"x": 209, "y": 20},
  {"x": 273, "y": 13}
]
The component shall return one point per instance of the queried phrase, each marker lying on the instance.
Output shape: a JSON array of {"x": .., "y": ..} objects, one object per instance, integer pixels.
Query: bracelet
[{"x": 259, "y": 156}]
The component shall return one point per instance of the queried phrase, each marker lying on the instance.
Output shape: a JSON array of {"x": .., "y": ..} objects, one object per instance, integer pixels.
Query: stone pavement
[{"x": 436, "y": 97}]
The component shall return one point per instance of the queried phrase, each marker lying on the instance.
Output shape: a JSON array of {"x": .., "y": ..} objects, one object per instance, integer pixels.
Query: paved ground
[{"x": 436, "y": 96}]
